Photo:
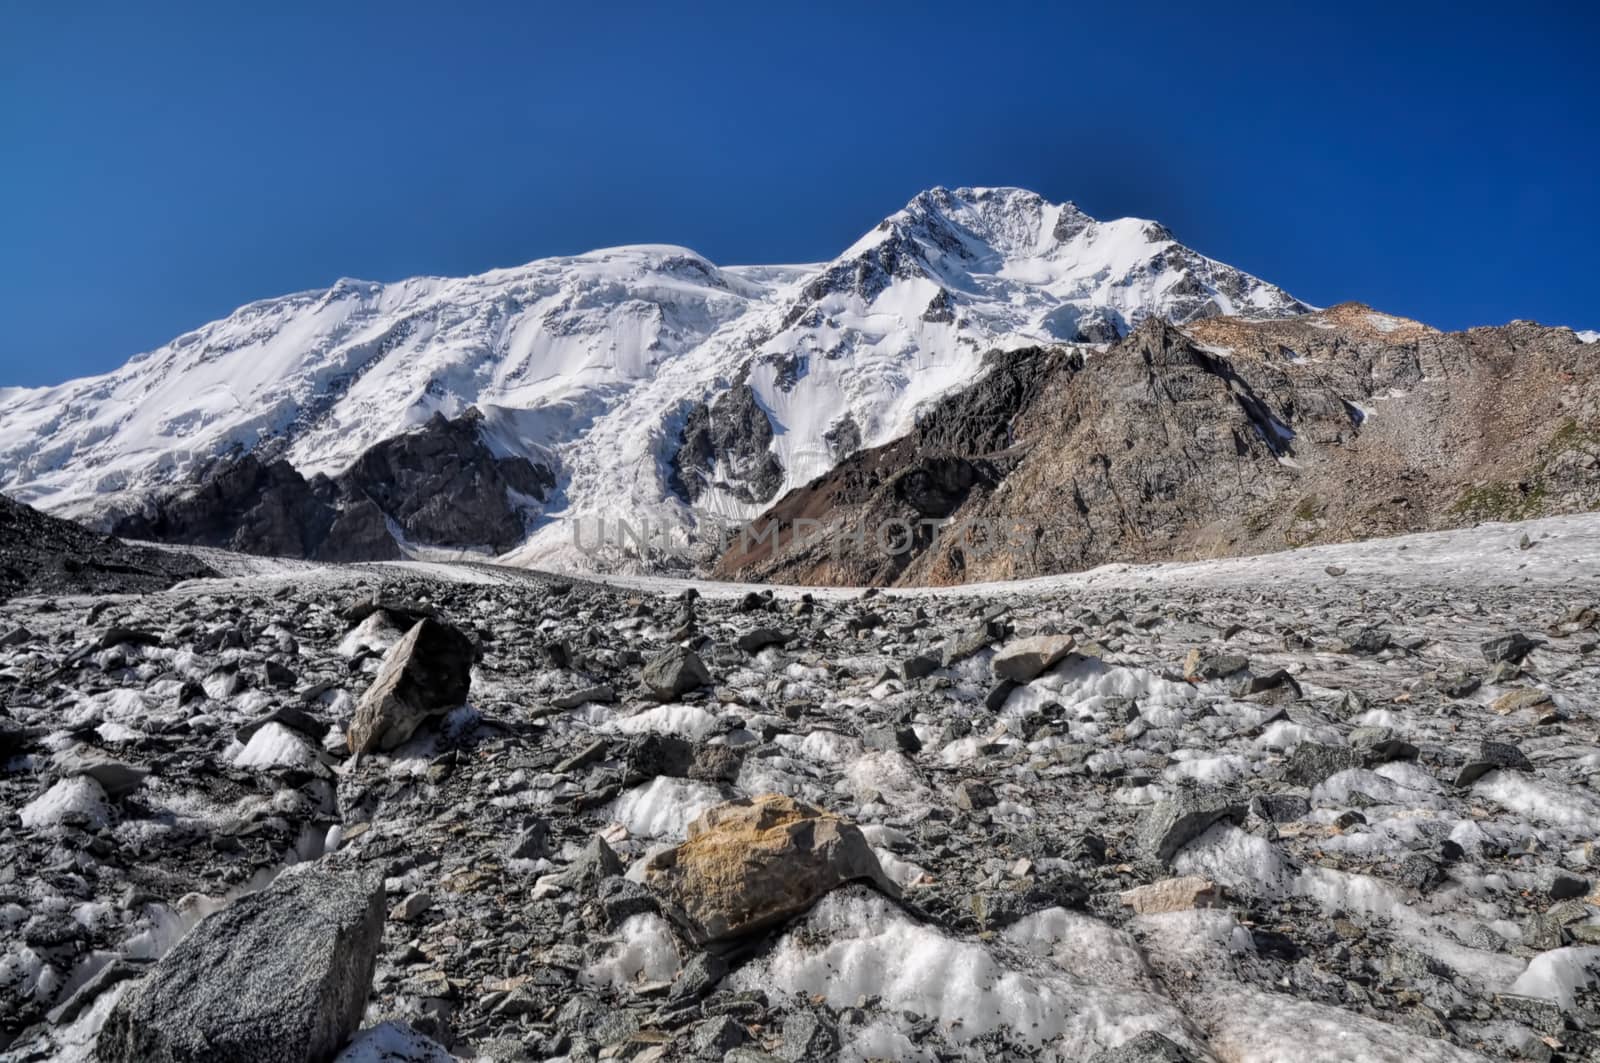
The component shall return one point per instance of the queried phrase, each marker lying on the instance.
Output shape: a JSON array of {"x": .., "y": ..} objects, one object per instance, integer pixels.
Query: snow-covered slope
[{"x": 597, "y": 360}]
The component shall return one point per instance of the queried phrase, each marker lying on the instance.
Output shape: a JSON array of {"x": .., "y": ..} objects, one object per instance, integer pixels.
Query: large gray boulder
[
  {"x": 427, "y": 673},
  {"x": 279, "y": 976}
]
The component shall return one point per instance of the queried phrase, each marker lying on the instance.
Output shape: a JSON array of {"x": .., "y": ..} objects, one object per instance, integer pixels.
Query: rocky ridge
[
  {"x": 40, "y": 554},
  {"x": 1219, "y": 438}
]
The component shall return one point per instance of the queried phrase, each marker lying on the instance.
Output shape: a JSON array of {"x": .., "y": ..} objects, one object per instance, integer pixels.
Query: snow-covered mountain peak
[{"x": 599, "y": 366}]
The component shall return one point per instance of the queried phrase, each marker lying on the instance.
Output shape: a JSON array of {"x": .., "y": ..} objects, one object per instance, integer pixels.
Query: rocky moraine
[{"x": 1337, "y": 804}]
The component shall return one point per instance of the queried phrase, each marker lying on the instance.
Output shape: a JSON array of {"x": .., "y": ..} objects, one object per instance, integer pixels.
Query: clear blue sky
[{"x": 163, "y": 165}]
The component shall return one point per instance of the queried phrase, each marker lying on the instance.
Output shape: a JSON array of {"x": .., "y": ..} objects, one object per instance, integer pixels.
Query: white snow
[
  {"x": 276, "y": 746},
  {"x": 1075, "y": 985},
  {"x": 1542, "y": 800},
  {"x": 77, "y": 794},
  {"x": 393, "y": 1042},
  {"x": 686, "y": 721},
  {"x": 1250, "y": 1026},
  {"x": 644, "y": 951},
  {"x": 663, "y": 807},
  {"x": 1558, "y": 974}
]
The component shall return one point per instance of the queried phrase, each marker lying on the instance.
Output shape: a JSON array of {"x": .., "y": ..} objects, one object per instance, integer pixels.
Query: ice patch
[
  {"x": 73, "y": 796},
  {"x": 663, "y": 807},
  {"x": 393, "y": 1042},
  {"x": 1547, "y": 802},
  {"x": 1250, "y": 1026},
  {"x": 276, "y": 746},
  {"x": 1245, "y": 863},
  {"x": 644, "y": 951},
  {"x": 1558, "y": 975},
  {"x": 823, "y": 747},
  {"x": 685, "y": 721},
  {"x": 888, "y": 774},
  {"x": 1073, "y": 986}
]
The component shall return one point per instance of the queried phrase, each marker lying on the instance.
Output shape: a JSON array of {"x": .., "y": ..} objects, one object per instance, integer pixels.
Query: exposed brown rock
[
  {"x": 1172, "y": 895},
  {"x": 751, "y": 863},
  {"x": 1221, "y": 438}
]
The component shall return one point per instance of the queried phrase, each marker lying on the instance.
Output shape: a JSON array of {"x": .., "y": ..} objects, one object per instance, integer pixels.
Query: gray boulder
[
  {"x": 1175, "y": 821},
  {"x": 427, "y": 673},
  {"x": 279, "y": 976},
  {"x": 1510, "y": 648},
  {"x": 675, "y": 673},
  {"x": 1312, "y": 762}
]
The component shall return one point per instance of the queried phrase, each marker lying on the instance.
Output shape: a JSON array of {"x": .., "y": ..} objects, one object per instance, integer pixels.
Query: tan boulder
[
  {"x": 1173, "y": 895},
  {"x": 752, "y": 863}
]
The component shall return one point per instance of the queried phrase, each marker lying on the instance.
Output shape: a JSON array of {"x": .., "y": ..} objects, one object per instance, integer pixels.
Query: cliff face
[{"x": 1223, "y": 437}]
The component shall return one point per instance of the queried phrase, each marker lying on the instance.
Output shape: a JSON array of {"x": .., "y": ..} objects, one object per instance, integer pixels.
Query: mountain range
[{"x": 516, "y": 414}]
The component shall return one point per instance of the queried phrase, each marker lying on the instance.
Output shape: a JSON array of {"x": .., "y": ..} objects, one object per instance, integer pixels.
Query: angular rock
[
  {"x": 970, "y": 640},
  {"x": 598, "y": 861},
  {"x": 117, "y": 778},
  {"x": 1202, "y": 664},
  {"x": 1172, "y": 895},
  {"x": 1510, "y": 648},
  {"x": 602, "y": 694},
  {"x": 1025, "y": 659},
  {"x": 1492, "y": 756},
  {"x": 675, "y": 673},
  {"x": 282, "y": 974},
  {"x": 753, "y": 642},
  {"x": 288, "y": 716},
  {"x": 426, "y": 674},
  {"x": 808, "y": 1036},
  {"x": 530, "y": 842},
  {"x": 973, "y": 795},
  {"x": 751, "y": 863},
  {"x": 1312, "y": 762},
  {"x": 1173, "y": 822}
]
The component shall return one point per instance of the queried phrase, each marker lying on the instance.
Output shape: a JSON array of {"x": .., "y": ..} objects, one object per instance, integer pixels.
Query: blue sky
[{"x": 164, "y": 165}]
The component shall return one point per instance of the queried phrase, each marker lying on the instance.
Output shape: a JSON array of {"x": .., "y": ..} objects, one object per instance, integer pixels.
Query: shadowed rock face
[
  {"x": 1224, "y": 437},
  {"x": 964, "y": 444},
  {"x": 440, "y": 485}
]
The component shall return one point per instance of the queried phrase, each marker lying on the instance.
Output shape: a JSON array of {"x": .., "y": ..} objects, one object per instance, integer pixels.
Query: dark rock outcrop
[
  {"x": 726, "y": 445},
  {"x": 440, "y": 485}
]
